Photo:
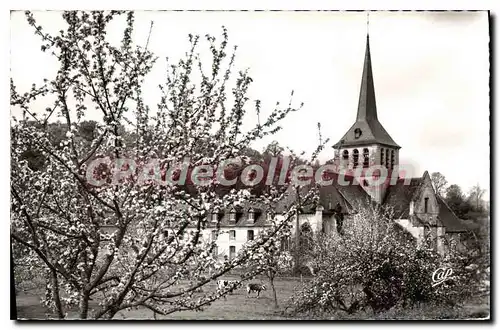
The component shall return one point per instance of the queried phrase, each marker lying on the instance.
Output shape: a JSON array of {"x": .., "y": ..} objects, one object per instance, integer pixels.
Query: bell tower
[{"x": 367, "y": 143}]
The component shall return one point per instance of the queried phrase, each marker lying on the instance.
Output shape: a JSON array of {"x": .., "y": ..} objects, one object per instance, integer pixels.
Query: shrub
[{"x": 376, "y": 265}]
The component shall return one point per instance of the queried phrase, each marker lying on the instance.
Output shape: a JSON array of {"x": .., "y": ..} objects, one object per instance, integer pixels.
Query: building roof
[
  {"x": 242, "y": 217},
  {"x": 354, "y": 194},
  {"x": 349, "y": 196},
  {"x": 399, "y": 196},
  {"x": 367, "y": 129},
  {"x": 452, "y": 223}
]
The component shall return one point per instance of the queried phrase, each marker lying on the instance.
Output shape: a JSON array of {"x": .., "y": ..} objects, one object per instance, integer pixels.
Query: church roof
[
  {"x": 400, "y": 195},
  {"x": 367, "y": 129},
  {"x": 350, "y": 196},
  {"x": 452, "y": 223}
]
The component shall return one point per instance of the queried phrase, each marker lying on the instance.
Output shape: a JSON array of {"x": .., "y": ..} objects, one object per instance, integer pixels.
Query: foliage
[
  {"x": 439, "y": 183},
  {"x": 157, "y": 245},
  {"x": 376, "y": 265},
  {"x": 273, "y": 150},
  {"x": 465, "y": 207},
  {"x": 456, "y": 200},
  {"x": 475, "y": 198}
]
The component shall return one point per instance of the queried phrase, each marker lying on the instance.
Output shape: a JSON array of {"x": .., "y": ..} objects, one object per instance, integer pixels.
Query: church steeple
[
  {"x": 367, "y": 130},
  {"x": 367, "y": 107},
  {"x": 367, "y": 143}
]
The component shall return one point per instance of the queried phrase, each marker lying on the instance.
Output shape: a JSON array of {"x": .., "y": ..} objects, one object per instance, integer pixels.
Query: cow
[
  {"x": 254, "y": 287},
  {"x": 223, "y": 285}
]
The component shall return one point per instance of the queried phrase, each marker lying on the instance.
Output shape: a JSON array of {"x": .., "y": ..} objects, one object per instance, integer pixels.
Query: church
[{"x": 417, "y": 208}]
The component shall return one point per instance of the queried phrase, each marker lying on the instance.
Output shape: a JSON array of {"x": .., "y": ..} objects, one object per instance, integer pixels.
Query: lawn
[{"x": 238, "y": 306}]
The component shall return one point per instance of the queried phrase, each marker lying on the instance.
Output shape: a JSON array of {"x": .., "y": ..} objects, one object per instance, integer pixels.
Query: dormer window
[
  {"x": 357, "y": 133},
  {"x": 270, "y": 216},
  {"x": 251, "y": 215},
  {"x": 232, "y": 215},
  {"x": 215, "y": 216},
  {"x": 426, "y": 205}
]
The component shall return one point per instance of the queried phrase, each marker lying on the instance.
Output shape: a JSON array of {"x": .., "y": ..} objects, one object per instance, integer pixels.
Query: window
[
  {"x": 345, "y": 155},
  {"x": 392, "y": 159},
  {"x": 250, "y": 235},
  {"x": 232, "y": 235},
  {"x": 382, "y": 156},
  {"x": 232, "y": 216},
  {"x": 355, "y": 157},
  {"x": 357, "y": 133},
  {"x": 365, "y": 183},
  {"x": 387, "y": 158},
  {"x": 426, "y": 204},
  {"x": 366, "y": 157},
  {"x": 251, "y": 215},
  {"x": 269, "y": 216},
  {"x": 215, "y": 217},
  {"x": 214, "y": 235},
  {"x": 232, "y": 252}
]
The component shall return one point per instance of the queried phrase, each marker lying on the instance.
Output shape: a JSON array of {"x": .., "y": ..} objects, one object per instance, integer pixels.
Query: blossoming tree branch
[{"x": 157, "y": 257}]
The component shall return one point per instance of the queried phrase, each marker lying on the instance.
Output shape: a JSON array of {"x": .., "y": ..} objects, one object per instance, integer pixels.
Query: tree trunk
[
  {"x": 55, "y": 293},
  {"x": 13, "y": 290},
  {"x": 84, "y": 305},
  {"x": 297, "y": 243},
  {"x": 271, "y": 280}
]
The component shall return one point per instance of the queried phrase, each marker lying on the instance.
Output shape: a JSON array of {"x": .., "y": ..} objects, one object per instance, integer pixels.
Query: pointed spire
[
  {"x": 367, "y": 130},
  {"x": 368, "y": 23},
  {"x": 367, "y": 108}
]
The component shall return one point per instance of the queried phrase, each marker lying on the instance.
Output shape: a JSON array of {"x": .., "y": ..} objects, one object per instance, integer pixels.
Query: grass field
[
  {"x": 237, "y": 306},
  {"x": 240, "y": 307}
]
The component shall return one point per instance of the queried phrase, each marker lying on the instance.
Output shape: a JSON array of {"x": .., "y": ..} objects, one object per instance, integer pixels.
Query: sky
[{"x": 431, "y": 75}]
